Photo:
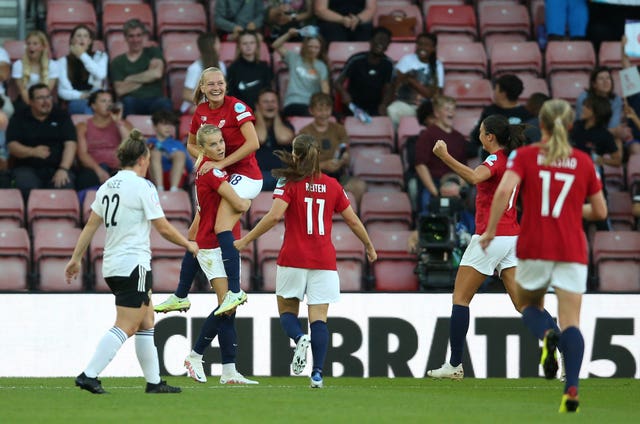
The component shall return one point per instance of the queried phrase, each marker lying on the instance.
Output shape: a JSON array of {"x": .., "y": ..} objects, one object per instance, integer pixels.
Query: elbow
[{"x": 600, "y": 214}]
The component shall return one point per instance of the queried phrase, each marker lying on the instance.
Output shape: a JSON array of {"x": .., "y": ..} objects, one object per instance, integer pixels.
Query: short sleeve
[{"x": 151, "y": 202}]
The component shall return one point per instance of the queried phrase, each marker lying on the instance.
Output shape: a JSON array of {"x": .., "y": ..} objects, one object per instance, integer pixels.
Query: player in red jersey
[
  {"x": 555, "y": 180},
  {"x": 307, "y": 199},
  {"x": 498, "y": 138},
  {"x": 211, "y": 188},
  {"x": 235, "y": 119}
]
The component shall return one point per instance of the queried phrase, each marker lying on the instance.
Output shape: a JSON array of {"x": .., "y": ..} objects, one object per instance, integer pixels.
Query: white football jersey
[{"x": 126, "y": 203}]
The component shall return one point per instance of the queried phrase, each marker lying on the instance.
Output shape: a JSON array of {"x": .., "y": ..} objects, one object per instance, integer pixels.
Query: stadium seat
[
  {"x": 354, "y": 206},
  {"x": 610, "y": 55},
  {"x": 79, "y": 117},
  {"x": 378, "y": 134},
  {"x": 177, "y": 207},
  {"x": 180, "y": 49},
  {"x": 408, "y": 10},
  {"x": 569, "y": 85},
  {"x": 613, "y": 177},
  {"x": 532, "y": 84},
  {"x": 350, "y": 257},
  {"x": 11, "y": 208},
  {"x": 569, "y": 56},
  {"x": 381, "y": 171},
  {"x": 459, "y": 19},
  {"x": 166, "y": 262},
  {"x": 518, "y": 57},
  {"x": 465, "y": 120},
  {"x": 180, "y": 17},
  {"x": 408, "y": 127},
  {"x": 176, "y": 88},
  {"x": 394, "y": 268},
  {"x": 536, "y": 11},
  {"x": 620, "y": 210},
  {"x": 503, "y": 17},
  {"x": 463, "y": 58},
  {"x": 469, "y": 92},
  {"x": 340, "y": 51},
  {"x": 397, "y": 50},
  {"x": 96, "y": 280},
  {"x": 15, "y": 251},
  {"x": 143, "y": 123},
  {"x": 267, "y": 251},
  {"x": 52, "y": 207},
  {"x": 52, "y": 248},
  {"x": 426, "y": 4},
  {"x": 393, "y": 209},
  {"x": 259, "y": 207},
  {"x": 60, "y": 44},
  {"x": 116, "y": 45},
  {"x": 114, "y": 15},
  {"x": 616, "y": 257},
  {"x": 14, "y": 48},
  {"x": 247, "y": 257},
  {"x": 66, "y": 15},
  {"x": 89, "y": 197},
  {"x": 633, "y": 174}
]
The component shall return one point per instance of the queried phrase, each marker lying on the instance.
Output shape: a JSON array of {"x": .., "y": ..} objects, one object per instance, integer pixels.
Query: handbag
[{"x": 398, "y": 23}]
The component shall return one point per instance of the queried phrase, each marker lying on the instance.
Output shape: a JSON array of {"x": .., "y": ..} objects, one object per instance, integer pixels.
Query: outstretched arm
[{"x": 267, "y": 222}]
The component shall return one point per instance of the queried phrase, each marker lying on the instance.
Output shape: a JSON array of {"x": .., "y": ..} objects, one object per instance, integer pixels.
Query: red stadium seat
[
  {"x": 569, "y": 56},
  {"x": 177, "y": 207},
  {"x": 354, "y": 206},
  {"x": 350, "y": 257},
  {"x": 569, "y": 85},
  {"x": 180, "y": 17},
  {"x": 532, "y": 85},
  {"x": 610, "y": 55},
  {"x": 89, "y": 197},
  {"x": 50, "y": 207},
  {"x": 267, "y": 251},
  {"x": 408, "y": 127},
  {"x": 633, "y": 174},
  {"x": 114, "y": 15},
  {"x": 96, "y": 250},
  {"x": 66, "y": 15},
  {"x": 79, "y": 117},
  {"x": 426, "y": 4},
  {"x": 393, "y": 271},
  {"x": 386, "y": 207},
  {"x": 616, "y": 256},
  {"x": 60, "y": 44},
  {"x": 259, "y": 207},
  {"x": 408, "y": 10},
  {"x": 15, "y": 251},
  {"x": 521, "y": 57},
  {"x": 453, "y": 19},
  {"x": 180, "y": 49},
  {"x": 613, "y": 177},
  {"x": 377, "y": 134},
  {"x": 620, "y": 210},
  {"x": 340, "y": 51},
  {"x": 463, "y": 57},
  {"x": 166, "y": 262},
  {"x": 176, "y": 88},
  {"x": 503, "y": 17},
  {"x": 143, "y": 123},
  {"x": 11, "y": 208},
  {"x": 466, "y": 119},
  {"x": 52, "y": 248},
  {"x": 381, "y": 171},
  {"x": 15, "y": 49},
  {"x": 397, "y": 50},
  {"x": 502, "y": 37},
  {"x": 469, "y": 93}
]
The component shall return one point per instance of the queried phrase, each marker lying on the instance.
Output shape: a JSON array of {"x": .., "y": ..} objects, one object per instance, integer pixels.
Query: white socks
[
  {"x": 148, "y": 355},
  {"x": 105, "y": 351}
]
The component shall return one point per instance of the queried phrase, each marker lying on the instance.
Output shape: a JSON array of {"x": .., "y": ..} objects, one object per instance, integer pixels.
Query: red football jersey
[
  {"x": 552, "y": 199},
  {"x": 308, "y": 221},
  {"x": 508, "y": 224},
  {"x": 229, "y": 117},
  {"x": 207, "y": 202}
]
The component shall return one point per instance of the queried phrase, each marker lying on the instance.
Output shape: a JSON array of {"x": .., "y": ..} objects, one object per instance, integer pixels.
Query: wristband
[{"x": 63, "y": 168}]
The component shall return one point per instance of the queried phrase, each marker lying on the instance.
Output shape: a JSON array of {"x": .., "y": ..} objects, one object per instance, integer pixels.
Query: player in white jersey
[{"x": 127, "y": 205}]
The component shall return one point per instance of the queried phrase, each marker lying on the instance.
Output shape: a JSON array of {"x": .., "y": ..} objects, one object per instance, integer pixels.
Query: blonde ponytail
[{"x": 555, "y": 118}]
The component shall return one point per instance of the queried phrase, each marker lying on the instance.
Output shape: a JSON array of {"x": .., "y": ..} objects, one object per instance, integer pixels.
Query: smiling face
[
  {"x": 214, "y": 87},
  {"x": 379, "y": 43},
  {"x": 603, "y": 83},
  {"x": 268, "y": 105},
  {"x": 444, "y": 114},
  {"x": 425, "y": 47}
]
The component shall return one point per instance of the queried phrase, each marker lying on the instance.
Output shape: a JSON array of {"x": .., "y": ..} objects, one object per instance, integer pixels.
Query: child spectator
[
  {"x": 333, "y": 143},
  {"x": 209, "y": 48},
  {"x": 168, "y": 155}
]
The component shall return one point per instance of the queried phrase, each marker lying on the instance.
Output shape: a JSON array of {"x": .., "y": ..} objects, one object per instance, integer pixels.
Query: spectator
[
  {"x": 231, "y": 17},
  {"x": 284, "y": 14},
  {"x": 137, "y": 74},
  {"x": 601, "y": 84},
  {"x": 333, "y": 142},
  {"x": 82, "y": 71},
  {"x": 429, "y": 168},
  {"x": 209, "y": 48},
  {"x": 560, "y": 14},
  {"x": 345, "y": 20},
  {"x": 42, "y": 141},
  {"x": 506, "y": 91},
  {"x": 418, "y": 76},
  {"x": 5, "y": 74},
  {"x": 368, "y": 76},
  {"x": 274, "y": 134},
  {"x": 534, "y": 103},
  {"x": 308, "y": 72},
  {"x": 168, "y": 155},
  {"x": 4, "y": 121},
  {"x": 248, "y": 74},
  {"x": 34, "y": 67},
  {"x": 631, "y": 109},
  {"x": 98, "y": 140}
]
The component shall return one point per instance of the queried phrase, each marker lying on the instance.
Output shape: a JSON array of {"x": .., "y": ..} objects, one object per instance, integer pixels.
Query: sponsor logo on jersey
[
  {"x": 491, "y": 159},
  {"x": 203, "y": 118},
  {"x": 218, "y": 173},
  {"x": 221, "y": 123},
  {"x": 278, "y": 191},
  {"x": 239, "y": 107},
  {"x": 243, "y": 115}
]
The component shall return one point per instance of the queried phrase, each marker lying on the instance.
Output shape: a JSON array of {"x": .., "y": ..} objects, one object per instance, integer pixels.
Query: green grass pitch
[{"x": 342, "y": 400}]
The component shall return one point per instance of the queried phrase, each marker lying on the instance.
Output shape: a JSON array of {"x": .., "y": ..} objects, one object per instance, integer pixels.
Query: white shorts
[
  {"x": 245, "y": 187},
  {"x": 321, "y": 286},
  {"x": 501, "y": 254},
  {"x": 210, "y": 261},
  {"x": 536, "y": 274}
]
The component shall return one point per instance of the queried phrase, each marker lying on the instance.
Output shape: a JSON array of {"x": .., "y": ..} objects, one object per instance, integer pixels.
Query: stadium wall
[{"x": 373, "y": 334}]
